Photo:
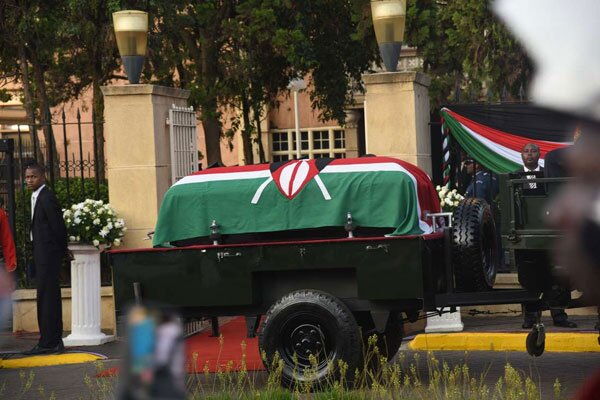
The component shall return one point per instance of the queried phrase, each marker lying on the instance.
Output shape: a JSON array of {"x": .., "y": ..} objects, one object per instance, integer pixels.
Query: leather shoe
[
  {"x": 565, "y": 324},
  {"x": 37, "y": 349}
]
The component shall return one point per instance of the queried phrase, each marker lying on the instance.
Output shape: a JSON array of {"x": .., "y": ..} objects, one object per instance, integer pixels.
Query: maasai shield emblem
[{"x": 291, "y": 177}]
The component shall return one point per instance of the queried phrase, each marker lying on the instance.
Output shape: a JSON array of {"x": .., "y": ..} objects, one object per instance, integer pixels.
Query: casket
[{"x": 378, "y": 192}]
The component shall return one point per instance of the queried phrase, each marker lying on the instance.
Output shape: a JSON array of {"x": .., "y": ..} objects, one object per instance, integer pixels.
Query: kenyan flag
[
  {"x": 378, "y": 191},
  {"x": 497, "y": 149}
]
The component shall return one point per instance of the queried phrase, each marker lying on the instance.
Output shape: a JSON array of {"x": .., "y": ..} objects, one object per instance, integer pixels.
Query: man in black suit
[
  {"x": 530, "y": 154},
  {"x": 49, "y": 237}
]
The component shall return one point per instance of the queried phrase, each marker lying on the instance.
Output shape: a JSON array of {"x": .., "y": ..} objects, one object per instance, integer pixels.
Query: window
[
  {"x": 280, "y": 141},
  {"x": 314, "y": 143}
]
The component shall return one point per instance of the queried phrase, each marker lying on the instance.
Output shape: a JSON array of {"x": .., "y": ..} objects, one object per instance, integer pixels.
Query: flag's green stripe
[
  {"x": 375, "y": 199},
  {"x": 483, "y": 155}
]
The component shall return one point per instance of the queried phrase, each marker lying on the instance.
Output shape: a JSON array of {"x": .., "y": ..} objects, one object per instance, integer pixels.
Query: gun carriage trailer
[{"x": 317, "y": 255}]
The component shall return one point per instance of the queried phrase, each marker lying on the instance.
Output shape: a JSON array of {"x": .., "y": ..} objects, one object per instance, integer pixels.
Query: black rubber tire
[
  {"x": 533, "y": 349},
  {"x": 315, "y": 321},
  {"x": 389, "y": 341},
  {"x": 475, "y": 252}
]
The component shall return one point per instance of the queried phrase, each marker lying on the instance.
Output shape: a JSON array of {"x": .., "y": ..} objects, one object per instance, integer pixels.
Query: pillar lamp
[
  {"x": 131, "y": 31},
  {"x": 389, "y": 17},
  {"x": 295, "y": 86}
]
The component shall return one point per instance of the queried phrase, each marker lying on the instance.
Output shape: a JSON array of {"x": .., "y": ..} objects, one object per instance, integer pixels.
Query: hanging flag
[
  {"x": 497, "y": 150},
  {"x": 379, "y": 192}
]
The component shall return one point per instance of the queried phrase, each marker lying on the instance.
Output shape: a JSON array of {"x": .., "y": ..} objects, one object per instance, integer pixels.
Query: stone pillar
[
  {"x": 137, "y": 152},
  {"x": 397, "y": 116}
]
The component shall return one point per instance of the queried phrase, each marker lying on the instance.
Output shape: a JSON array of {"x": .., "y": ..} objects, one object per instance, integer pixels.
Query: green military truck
[
  {"x": 317, "y": 255},
  {"x": 525, "y": 208}
]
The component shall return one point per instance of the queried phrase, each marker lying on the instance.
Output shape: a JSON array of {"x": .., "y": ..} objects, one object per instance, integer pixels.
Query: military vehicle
[
  {"x": 525, "y": 208},
  {"x": 319, "y": 255}
]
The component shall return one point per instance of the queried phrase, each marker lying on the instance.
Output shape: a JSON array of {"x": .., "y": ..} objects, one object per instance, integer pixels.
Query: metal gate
[{"x": 183, "y": 141}]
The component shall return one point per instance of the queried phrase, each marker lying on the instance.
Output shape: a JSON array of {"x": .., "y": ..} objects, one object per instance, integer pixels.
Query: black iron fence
[
  {"x": 69, "y": 157},
  {"x": 75, "y": 170}
]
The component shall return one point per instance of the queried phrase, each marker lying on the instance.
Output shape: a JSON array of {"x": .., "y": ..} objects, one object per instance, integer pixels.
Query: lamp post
[
  {"x": 389, "y": 17},
  {"x": 131, "y": 31},
  {"x": 295, "y": 86}
]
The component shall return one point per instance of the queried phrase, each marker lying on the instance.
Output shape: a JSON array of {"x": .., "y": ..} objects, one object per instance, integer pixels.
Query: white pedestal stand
[
  {"x": 449, "y": 322},
  {"x": 85, "y": 298}
]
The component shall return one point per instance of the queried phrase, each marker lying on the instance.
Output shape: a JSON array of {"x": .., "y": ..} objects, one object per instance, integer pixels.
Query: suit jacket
[
  {"x": 47, "y": 226},
  {"x": 555, "y": 163}
]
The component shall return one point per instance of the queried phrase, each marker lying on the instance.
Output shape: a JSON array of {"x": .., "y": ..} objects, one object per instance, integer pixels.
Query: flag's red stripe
[
  {"x": 505, "y": 139},
  {"x": 237, "y": 168},
  {"x": 293, "y": 178}
]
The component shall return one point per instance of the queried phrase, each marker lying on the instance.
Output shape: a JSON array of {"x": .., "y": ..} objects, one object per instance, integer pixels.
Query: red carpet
[
  {"x": 205, "y": 352},
  {"x": 208, "y": 352}
]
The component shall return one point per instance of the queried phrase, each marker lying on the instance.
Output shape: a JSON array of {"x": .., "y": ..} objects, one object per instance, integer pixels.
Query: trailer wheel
[
  {"x": 310, "y": 331},
  {"x": 389, "y": 341},
  {"x": 475, "y": 253},
  {"x": 536, "y": 342}
]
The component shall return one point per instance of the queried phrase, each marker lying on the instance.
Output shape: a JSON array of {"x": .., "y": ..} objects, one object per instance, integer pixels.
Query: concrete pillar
[
  {"x": 137, "y": 152},
  {"x": 397, "y": 116}
]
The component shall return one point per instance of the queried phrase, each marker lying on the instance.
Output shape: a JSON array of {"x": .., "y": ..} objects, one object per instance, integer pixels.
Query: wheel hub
[{"x": 307, "y": 340}]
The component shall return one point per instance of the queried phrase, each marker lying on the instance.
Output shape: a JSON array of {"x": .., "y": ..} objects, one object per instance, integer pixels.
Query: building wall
[{"x": 281, "y": 117}]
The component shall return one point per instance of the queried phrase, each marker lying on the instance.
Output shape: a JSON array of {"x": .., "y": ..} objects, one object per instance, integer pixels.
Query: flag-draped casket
[{"x": 379, "y": 192}]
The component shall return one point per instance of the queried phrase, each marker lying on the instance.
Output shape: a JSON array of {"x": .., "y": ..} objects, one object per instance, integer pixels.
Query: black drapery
[{"x": 521, "y": 119}]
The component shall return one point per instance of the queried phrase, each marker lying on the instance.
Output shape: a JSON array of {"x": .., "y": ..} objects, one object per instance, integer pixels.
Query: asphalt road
[{"x": 68, "y": 381}]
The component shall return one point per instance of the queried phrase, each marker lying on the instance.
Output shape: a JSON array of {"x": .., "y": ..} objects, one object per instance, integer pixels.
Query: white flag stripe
[
  {"x": 504, "y": 151},
  {"x": 260, "y": 190},
  {"x": 321, "y": 185},
  {"x": 226, "y": 176},
  {"x": 362, "y": 168}
]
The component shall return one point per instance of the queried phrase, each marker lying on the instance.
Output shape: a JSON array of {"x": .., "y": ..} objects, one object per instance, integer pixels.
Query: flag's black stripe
[{"x": 522, "y": 119}]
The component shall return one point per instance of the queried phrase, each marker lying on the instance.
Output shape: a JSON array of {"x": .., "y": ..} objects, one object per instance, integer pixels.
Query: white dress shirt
[
  {"x": 537, "y": 169},
  {"x": 34, "y": 197}
]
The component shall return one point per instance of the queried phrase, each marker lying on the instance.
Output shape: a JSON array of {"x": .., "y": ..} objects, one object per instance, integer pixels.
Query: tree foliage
[
  {"x": 469, "y": 54},
  {"x": 242, "y": 54}
]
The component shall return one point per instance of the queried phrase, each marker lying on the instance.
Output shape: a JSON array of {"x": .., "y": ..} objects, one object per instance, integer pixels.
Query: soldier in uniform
[{"x": 484, "y": 184}]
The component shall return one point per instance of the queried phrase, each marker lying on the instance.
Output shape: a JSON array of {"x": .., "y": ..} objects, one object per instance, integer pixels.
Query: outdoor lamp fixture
[
  {"x": 389, "y": 17},
  {"x": 131, "y": 30},
  {"x": 295, "y": 86}
]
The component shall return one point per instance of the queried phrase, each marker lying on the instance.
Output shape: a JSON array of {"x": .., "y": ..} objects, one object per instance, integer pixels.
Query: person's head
[
  {"x": 35, "y": 176},
  {"x": 530, "y": 155},
  {"x": 469, "y": 164}
]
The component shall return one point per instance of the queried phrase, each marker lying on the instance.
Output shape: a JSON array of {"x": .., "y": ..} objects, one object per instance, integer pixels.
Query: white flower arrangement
[
  {"x": 449, "y": 199},
  {"x": 93, "y": 222}
]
